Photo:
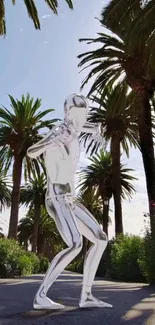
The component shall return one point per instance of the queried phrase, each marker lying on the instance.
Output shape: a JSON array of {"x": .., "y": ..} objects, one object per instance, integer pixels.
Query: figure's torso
[{"x": 61, "y": 168}]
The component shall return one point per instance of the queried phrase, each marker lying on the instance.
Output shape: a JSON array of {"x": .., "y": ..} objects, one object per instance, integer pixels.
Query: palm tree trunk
[
  {"x": 147, "y": 150},
  {"x": 41, "y": 244},
  {"x": 116, "y": 182},
  {"x": 15, "y": 197},
  {"x": 37, "y": 212},
  {"x": 105, "y": 217}
]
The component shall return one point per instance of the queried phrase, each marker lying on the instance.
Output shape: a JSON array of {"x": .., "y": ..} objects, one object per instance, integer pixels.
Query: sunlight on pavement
[{"x": 147, "y": 304}]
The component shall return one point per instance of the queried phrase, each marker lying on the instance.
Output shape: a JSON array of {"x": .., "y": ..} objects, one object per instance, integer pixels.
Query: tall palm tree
[
  {"x": 114, "y": 59},
  {"x": 97, "y": 178},
  {"x": 115, "y": 110},
  {"x": 5, "y": 189},
  {"x": 19, "y": 129},
  {"x": 48, "y": 236},
  {"x": 31, "y": 10},
  {"x": 33, "y": 195}
]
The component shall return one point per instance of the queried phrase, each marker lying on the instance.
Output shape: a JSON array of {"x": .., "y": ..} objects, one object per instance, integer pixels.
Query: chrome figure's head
[{"x": 76, "y": 110}]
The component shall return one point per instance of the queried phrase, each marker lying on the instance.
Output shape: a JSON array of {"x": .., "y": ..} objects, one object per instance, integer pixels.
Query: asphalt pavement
[{"x": 133, "y": 304}]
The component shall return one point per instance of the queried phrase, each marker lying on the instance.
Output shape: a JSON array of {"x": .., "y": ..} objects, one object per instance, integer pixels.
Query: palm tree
[
  {"x": 97, "y": 178},
  {"x": 33, "y": 195},
  {"x": 5, "y": 189},
  {"x": 19, "y": 129},
  {"x": 31, "y": 10},
  {"x": 114, "y": 60},
  {"x": 92, "y": 202},
  {"x": 116, "y": 113},
  {"x": 48, "y": 237}
]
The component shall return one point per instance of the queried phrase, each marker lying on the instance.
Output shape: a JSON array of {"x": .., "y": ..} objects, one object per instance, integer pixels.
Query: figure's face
[{"x": 76, "y": 110}]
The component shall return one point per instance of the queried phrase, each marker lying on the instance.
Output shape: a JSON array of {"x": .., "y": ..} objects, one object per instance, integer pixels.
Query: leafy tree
[
  {"x": 31, "y": 10},
  {"x": 117, "y": 58},
  {"x": 96, "y": 179},
  {"x": 19, "y": 129}
]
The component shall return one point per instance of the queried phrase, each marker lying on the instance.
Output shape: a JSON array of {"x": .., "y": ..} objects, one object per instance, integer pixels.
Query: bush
[
  {"x": 15, "y": 261},
  {"x": 44, "y": 264},
  {"x": 124, "y": 259},
  {"x": 147, "y": 258},
  {"x": 76, "y": 266},
  {"x": 10, "y": 251},
  {"x": 25, "y": 266},
  {"x": 34, "y": 261}
]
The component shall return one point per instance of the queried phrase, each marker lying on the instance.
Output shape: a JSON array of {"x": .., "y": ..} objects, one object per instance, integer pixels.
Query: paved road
[{"x": 134, "y": 304}]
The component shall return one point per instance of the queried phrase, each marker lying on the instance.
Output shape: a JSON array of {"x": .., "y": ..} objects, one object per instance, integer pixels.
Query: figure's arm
[
  {"x": 54, "y": 139},
  {"x": 40, "y": 147},
  {"x": 95, "y": 130},
  {"x": 91, "y": 128}
]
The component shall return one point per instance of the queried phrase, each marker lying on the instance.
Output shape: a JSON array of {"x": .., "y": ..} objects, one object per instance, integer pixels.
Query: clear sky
[{"x": 44, "y": 63}]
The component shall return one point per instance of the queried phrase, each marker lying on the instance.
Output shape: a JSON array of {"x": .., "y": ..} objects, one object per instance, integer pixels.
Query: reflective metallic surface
[{"x": 61, "y": 153}]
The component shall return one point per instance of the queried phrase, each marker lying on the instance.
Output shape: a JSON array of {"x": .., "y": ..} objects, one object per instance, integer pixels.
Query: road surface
[{"x": 133, "y": 304}]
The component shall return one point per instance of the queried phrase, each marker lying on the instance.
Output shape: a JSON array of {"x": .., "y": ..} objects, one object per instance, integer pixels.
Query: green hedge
[
  {"x": 15, "y": 261},
  {"x": 124, "y": 258},
  {"x": 127, "y": 258},
  {"x": 147, "y": 259},
  {"x": 44, "y": 264}
]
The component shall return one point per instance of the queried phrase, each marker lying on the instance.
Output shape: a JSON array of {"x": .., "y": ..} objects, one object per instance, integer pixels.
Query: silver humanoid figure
[{"x": 61, "y": 151}]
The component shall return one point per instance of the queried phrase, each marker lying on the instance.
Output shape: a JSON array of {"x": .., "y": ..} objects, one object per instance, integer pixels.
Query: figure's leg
[
  {"x": 90, "y": 229},
  {"x": 66, "y": 223}
]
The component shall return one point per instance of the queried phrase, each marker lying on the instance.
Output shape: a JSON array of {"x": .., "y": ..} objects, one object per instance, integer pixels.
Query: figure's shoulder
[{"x": 61, "y": 131}]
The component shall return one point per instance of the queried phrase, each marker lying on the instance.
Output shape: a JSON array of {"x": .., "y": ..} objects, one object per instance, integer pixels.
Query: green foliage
[
  {"x": 98, "y": 176},
  {"x": 44, "y": 264},
  {"x": 25, "y": 266},
  {"x": 124, "y": 259},
  {"x": 15, "y": 261},
  {"x": 10, "y": 251},
  {"x": 34, "y": 259},
  {"x": 76, "y": 266},
  {"x": 147, "y": 258},
  {"x": 34, "y": 190},
  {"x": 47, "y": 230},
  {"x": 32, "y": 11}
]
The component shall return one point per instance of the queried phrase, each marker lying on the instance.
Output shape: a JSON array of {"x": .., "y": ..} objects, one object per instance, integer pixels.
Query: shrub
[
  {"x": 25, "y": 266},
  {"x": 44, "y": 264},
  {"x": 124, "y": 259},
  {"x": 15, "y": 261},
  {"x": 10, "y": 251},
  {"x": 34, "y": 261},
  {"x": 76, "y": 266},
  {"x": 147, "y": 258}
]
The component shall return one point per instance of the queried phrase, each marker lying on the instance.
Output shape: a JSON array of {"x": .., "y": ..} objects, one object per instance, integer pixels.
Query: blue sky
[{"x": 44, "y": 63}]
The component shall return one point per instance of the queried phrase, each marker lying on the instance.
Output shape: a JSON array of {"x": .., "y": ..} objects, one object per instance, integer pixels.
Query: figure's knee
[{"x": 102, "y": 238}]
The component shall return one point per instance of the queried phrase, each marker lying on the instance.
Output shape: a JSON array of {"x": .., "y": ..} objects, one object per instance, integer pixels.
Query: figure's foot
[
  {"x": 46, "y": 303},
  {"x": 91, "y": 302}
]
